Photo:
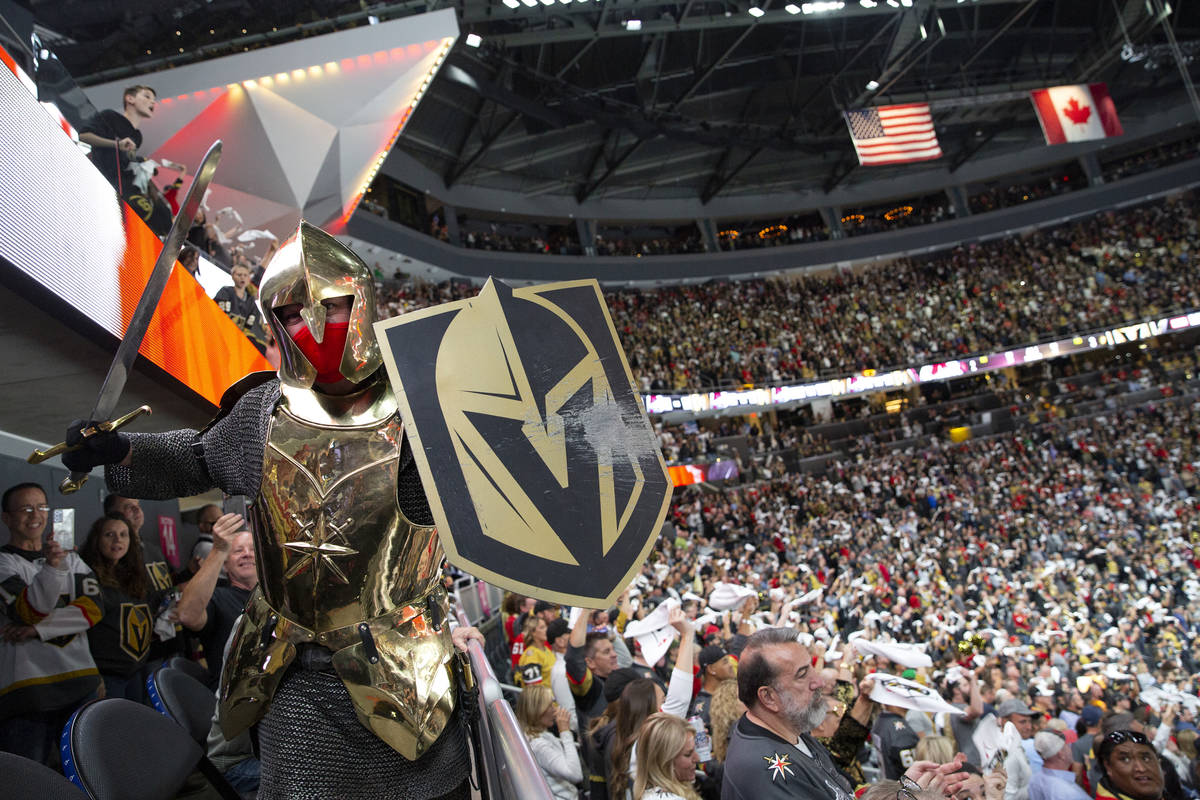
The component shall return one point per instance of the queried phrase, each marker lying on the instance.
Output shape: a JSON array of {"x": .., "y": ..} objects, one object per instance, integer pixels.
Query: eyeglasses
[
  {"x": 1117, "y": 737},
  {"x": 45, "y": 509},
  {"x": 908, "y": 789}
]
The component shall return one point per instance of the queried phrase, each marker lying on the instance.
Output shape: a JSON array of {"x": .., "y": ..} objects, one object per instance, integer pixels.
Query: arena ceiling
[{"x": 663, "y": 99}]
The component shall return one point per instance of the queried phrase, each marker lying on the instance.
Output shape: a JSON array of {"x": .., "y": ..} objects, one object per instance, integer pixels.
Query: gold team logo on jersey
[
  {"x": 542, "y": 471},
  {"x": 136, "y": 627},
  {"x": 159, "y": 574}
]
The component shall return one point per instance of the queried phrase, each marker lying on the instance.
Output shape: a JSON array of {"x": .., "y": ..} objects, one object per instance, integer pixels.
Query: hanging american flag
[{"x": 893, "y": 134}]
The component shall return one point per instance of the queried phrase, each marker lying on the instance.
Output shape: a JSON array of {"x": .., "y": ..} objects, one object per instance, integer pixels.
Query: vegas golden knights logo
[
  {"x": 542, "y": 471},
  {"x": 136, "y": 627}
]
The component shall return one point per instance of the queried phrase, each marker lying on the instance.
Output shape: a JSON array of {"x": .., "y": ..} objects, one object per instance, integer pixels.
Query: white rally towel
[
  {"x": 1076, "y": 113},
  {"x": 892, "y": 690},
  {"x": 654, "y": 633},
  {"x": 912, "y": 656},
  {"x": 727, "y": 596}
]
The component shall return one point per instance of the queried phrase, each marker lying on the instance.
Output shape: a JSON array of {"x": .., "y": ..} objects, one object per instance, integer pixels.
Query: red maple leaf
[{"x": 1077, "y": 113}]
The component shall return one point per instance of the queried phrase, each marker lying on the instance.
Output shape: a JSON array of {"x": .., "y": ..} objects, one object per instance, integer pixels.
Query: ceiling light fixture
[
  {"x": 822, "y": 6},
  {"x": 755, "y": 11},
  {"x": 872, "y": 85},
  {"x": 633, "y": 24},
  {"x": 792, "y": 8},
  {"x": 474, "y": 40}
]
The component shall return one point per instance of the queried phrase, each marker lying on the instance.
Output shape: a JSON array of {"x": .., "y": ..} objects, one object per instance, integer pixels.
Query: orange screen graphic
[{"x": 189, "y": 336}]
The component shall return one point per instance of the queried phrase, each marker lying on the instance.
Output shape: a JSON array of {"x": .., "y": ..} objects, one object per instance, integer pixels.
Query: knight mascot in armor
[{"x": 344, "y": 657}]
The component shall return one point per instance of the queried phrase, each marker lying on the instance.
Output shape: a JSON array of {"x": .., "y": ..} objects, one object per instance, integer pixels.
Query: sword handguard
[
  {"x": 73, "y": 483},
  {"x": 38, "y": 456}
]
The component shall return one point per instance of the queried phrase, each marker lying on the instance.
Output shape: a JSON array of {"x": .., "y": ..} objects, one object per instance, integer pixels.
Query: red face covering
[{"x": 326, "y": 356}]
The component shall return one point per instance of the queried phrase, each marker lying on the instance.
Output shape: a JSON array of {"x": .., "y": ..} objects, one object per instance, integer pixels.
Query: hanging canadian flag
[{"x": 1076, "y": 113}]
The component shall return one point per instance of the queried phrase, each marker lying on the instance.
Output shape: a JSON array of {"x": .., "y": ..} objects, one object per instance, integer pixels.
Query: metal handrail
[{"x": 511, "y": 771}]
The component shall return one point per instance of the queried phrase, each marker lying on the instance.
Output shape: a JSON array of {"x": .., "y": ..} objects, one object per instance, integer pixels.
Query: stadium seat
[
  {"x": 29, "y": 780},
  {"x": 118, "y": 748},
  {"x": 192, "y": 668},
  {"x": 184, "y": 699}
]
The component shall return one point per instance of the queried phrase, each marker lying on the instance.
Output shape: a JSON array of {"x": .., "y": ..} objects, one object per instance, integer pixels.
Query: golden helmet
[{"x": 309, "y": 267}]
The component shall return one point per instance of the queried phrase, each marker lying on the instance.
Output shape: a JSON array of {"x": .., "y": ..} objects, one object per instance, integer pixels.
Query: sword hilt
[
  {"x": 73, "y": 483},
  {"x": 76, "y": 480}
]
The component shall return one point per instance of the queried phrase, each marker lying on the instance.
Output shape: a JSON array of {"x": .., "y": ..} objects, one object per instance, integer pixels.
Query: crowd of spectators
[
  {"x": 1153, "y": 158},
  {"x": 922, "y": 211},
  {"x": 753, "y": 235},
  {"x": 545, "y": 241},
  {"x": 1002, "y": 606},
  {"x": 992, "y": 198},
  {"x": 1112, "y": 268},
  {"x": 685, "y": 241}
]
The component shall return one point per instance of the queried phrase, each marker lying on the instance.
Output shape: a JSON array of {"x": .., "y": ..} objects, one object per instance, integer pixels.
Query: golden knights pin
[{"x": 541, "y": 468}]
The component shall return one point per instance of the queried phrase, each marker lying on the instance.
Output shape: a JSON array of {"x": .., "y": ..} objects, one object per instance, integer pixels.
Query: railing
[
  {"x": 476, "y": 599},
  {"x": 509, "y": 767}
]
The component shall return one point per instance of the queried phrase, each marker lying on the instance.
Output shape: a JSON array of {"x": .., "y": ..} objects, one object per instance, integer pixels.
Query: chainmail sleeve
[
  {"x": 234, "y": 444},
  {"x": 169, "y": 465},
  {"x": 162, "y": 468},
  {"x": 410, "y": 493}
]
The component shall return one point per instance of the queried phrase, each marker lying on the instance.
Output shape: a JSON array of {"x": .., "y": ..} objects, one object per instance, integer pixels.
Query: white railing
[{"x": 509, "y": 767}]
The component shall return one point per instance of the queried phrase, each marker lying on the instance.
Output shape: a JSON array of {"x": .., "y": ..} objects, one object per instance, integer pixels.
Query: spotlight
[
  {"x": 821, "y": 6},
  {"x": 755, "y": 11},
  {"x": 872, "y": 85},
  {"x": 474, "y": 40},
  {"x": 792, "y": 8},
  {"x": 633, "y": 24}
]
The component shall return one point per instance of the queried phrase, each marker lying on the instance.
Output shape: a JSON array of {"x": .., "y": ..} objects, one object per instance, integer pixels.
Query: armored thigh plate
[{"x": 341, "y": 566}]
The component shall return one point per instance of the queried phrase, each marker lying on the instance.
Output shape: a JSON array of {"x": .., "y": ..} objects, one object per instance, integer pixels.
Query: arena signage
[{"x": 872, "y": 381}]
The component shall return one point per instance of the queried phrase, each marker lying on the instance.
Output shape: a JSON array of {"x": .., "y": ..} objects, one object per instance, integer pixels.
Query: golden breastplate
[
  {"x": 341, "y": 568},
  {"x": 334, "y": 546}
]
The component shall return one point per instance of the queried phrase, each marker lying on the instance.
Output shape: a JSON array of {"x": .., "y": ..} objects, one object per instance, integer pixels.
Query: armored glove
[{"x": 103, "y": 447}]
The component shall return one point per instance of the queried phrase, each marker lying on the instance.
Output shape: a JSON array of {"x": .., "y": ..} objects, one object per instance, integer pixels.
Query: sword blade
[{"x": 118, "y": 373}]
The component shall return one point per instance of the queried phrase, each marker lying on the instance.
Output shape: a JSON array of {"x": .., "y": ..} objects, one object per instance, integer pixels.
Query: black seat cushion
[
  {"x": 122, "y": 750},
  {"x": 25, "y": 779}
]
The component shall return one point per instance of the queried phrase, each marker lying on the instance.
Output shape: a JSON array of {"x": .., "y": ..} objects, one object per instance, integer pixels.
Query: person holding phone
[
  {"x": 49, "y": 598},
  {"x": 209, "y": 606}
]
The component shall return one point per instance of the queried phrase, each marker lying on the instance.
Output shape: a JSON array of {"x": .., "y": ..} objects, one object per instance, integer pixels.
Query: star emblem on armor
[
  {"x": 778, "y": 766},
  {"x": 325, "y": 540}
]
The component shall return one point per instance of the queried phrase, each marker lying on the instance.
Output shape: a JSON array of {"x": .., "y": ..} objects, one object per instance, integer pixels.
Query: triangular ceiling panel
[
  {"x": 359, "y": 145},
  {"x": 301, "y": 140},
  {"x": 396, "y": 96},
  {"x": 341, "y": 90},
  {"x": 279, "y": 111},
  {"x": 248, "y": 161},
  {"x": 328, "y": 181},
  {"x": 173, "y": 113}
]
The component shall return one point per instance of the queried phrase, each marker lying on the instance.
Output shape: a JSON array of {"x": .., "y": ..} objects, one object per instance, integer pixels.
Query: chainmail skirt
[{"x": 313, "y": 747}]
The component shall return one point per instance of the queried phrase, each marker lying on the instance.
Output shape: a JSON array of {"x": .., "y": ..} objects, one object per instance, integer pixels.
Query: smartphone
[
  {"x": 62, "y": 529},
  {"x": 237, "y": 504}
]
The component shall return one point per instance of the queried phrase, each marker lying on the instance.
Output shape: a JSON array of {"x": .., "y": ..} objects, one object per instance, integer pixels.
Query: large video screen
[{"x": 62, "y": 224}]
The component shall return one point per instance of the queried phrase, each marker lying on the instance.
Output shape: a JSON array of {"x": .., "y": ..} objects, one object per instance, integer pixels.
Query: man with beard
[{"x": 771, "y": 754}]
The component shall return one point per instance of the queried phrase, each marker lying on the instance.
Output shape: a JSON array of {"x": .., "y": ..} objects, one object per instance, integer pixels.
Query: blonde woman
[
  {"x": 556, "y": 755},
  {"x": 723, "y": 711},
  {"x": 666, "y": 767}
]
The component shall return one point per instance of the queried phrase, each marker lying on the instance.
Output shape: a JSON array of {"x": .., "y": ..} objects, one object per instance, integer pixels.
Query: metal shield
[{"x": 541, "y": 468}]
